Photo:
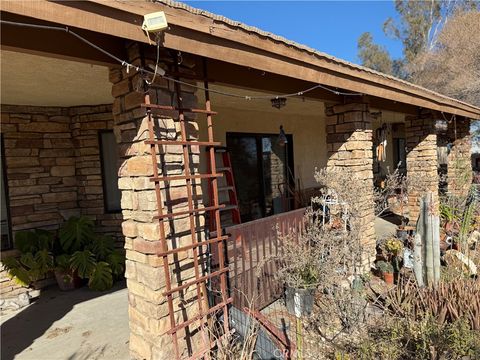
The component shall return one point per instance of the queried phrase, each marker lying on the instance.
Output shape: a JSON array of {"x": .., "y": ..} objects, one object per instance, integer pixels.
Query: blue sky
[{"x": 329, "y": 26}]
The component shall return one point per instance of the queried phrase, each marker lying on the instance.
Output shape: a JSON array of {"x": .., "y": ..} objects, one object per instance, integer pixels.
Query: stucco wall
[{"x": 307, "y": 129}]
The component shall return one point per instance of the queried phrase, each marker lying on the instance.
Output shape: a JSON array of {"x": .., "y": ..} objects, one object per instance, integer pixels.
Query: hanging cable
[{"x": 157, "y": 72}]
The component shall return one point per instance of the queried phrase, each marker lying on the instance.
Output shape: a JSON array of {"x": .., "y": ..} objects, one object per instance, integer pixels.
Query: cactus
[{"x": 426, "y": 257}]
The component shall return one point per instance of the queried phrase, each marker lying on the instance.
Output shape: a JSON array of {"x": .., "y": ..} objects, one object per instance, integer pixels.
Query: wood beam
[
  {"x": 256, "y": 80},
  {"x": 203, "y": 36},
  {"x": 58, "y": 44}
]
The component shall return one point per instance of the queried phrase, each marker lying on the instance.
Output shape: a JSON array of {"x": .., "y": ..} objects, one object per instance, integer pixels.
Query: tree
[
  {"x": 417, "y": 27},
  {"x": 452, "y": 66},
  {"x": 372, "y": 55}
]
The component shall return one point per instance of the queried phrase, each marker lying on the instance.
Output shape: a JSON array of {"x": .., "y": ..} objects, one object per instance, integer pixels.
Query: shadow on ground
[{"x": 34, "y": 323}]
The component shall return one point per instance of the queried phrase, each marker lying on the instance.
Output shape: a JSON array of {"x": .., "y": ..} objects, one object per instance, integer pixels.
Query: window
[
  {"x": 5, "y": 233},
  {"x": 261, "y": 174},
  {"x": 400, "y": 154},
  {"x": 109, "y": 161}
]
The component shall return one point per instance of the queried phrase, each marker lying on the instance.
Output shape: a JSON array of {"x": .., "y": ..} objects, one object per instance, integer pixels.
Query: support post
[
  {"x": 422, "y": 163},
  {"x": 149, "y": 317},
  {"x": 349, "y": 142}
]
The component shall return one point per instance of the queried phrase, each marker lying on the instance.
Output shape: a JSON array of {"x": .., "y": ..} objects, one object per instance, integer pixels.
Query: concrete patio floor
[
  {"x": 76, "y": 325},
  {"x": 384, "y": 227}
]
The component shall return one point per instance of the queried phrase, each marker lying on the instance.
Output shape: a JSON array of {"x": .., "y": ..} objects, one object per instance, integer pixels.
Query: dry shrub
[
  {"x": 316, "y": 256},
  {"x": 236, "y": 347},
  {"x": 233, "y": 348},
  {"x": 394, "y": 186},
  {"x": 446, "y": 303}
]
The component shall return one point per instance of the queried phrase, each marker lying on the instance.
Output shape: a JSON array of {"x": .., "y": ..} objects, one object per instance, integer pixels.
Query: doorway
[{"x": 263, "y": 171}]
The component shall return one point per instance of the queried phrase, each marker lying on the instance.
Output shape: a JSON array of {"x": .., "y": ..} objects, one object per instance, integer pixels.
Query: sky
[{"x": 332, "y": 27}]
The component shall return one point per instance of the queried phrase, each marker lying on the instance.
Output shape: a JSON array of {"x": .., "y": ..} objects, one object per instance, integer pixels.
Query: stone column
[
  {"x": 422, "y": 161},
  {"x": 459, "y": 168},
  {"x": 148, "y": 308},
  {"x": 350, "y": 146}
]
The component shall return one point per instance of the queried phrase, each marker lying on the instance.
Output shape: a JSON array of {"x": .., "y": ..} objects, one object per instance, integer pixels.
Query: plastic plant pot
[{"x": 299, "y": 302}]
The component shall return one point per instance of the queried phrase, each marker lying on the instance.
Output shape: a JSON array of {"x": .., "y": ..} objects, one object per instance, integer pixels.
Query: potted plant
[
  {"x": 67, "y": 278},
  {"x": 85, "y": 255},
  {"x": 300, "y": 295},
  {"x": 394, "y": 249},
  {"x": 386, "y": 271},
  {"x": 35, "y": 259}
]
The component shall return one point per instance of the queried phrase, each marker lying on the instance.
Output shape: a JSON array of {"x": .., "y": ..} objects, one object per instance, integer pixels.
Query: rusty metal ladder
[{"x": 204, "y": 311}]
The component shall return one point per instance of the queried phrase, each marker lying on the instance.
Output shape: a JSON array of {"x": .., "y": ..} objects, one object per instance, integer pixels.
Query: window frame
[
  {"x": 11, "y": 244},
  {"x": 102, "y": 169},
  {"x": 258, "y": 140}
]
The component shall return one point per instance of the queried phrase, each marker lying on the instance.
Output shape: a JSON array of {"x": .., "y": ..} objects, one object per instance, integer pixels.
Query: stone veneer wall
[
  {"x": 87, "y": 122},
  {"x": 349, "y": 144},
  {"x": 148, "y": 310},
  {"x": 53, "y": 169},
  {"x": 422, "y": 161},
  {"x": 459, "y": 164}
]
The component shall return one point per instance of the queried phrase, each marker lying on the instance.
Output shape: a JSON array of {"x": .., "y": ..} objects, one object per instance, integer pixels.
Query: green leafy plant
[
  {"x": 101, "y": 277},
  {"x": 91, "y": 256},
  {"x": 35, "y": 259},
  {"x": 102, "y": 246},
  {"x": 116, "y": 260},
  {"x": 83, "y": 262},
  {"x": 33, "y": 241},
  {"x": 76, "y": 233}
]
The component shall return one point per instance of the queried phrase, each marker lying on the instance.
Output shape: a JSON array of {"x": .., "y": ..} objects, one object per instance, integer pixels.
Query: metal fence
[{"x": 250, "y": 255}]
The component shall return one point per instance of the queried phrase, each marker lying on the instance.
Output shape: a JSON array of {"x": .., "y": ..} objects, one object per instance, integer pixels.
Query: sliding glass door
[{"x": 262, "y": 177}]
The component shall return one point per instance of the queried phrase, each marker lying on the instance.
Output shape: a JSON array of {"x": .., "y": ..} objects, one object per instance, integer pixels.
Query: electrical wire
[{"x": 155, "y": 73}]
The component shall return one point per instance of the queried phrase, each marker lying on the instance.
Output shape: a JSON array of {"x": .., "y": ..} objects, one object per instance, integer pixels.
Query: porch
[{"x": 157, "y": 129}]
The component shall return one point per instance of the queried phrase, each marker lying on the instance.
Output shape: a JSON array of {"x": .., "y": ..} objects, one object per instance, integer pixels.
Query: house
[{"x": 79, "y": 97}]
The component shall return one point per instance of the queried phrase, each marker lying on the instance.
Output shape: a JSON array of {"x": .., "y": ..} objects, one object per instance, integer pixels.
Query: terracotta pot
[
  {"x": 388, "y": 278},
  {"x": 67, "y": 280}
]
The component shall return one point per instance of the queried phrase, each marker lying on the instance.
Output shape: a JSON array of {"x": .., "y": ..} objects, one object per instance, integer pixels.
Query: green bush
[
  {"x": 77, "y": 249},
  {"x": 92, "y": 256},
  {"x": 35, "y": 259}
]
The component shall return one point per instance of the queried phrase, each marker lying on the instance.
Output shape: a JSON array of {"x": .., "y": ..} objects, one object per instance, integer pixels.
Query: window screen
[{"x": 109, "y": 158}]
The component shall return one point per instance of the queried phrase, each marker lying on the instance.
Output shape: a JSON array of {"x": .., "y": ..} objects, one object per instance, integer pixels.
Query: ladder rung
[
  {"x": 191, "y": 246},
  {"x": 179, "y": 142},
  {"x": 185, "y": 177},
  {"x": 210, "y": 311},
  {"x": 221, "y": 169},
  {"x": 196, "y": 281},
  {"x": 193, "y": 211},
  {"x": 229, "y": 207},
  {"x": 226, "y": 188},
  {"x": 173, "y": 108}
]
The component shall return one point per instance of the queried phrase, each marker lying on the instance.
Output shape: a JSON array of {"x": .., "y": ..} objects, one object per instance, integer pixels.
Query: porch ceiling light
[
  {"x": 441, "y": 126},
  {"x": 279, "y": 102}
]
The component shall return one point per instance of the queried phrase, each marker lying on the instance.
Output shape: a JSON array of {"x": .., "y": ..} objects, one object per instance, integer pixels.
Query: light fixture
[
  {"x": 155, "y": 22},
  {"x": 282, "y": 137},
  {"x": 279, "y": 102},
  {"x": 441, "y": 126}
]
